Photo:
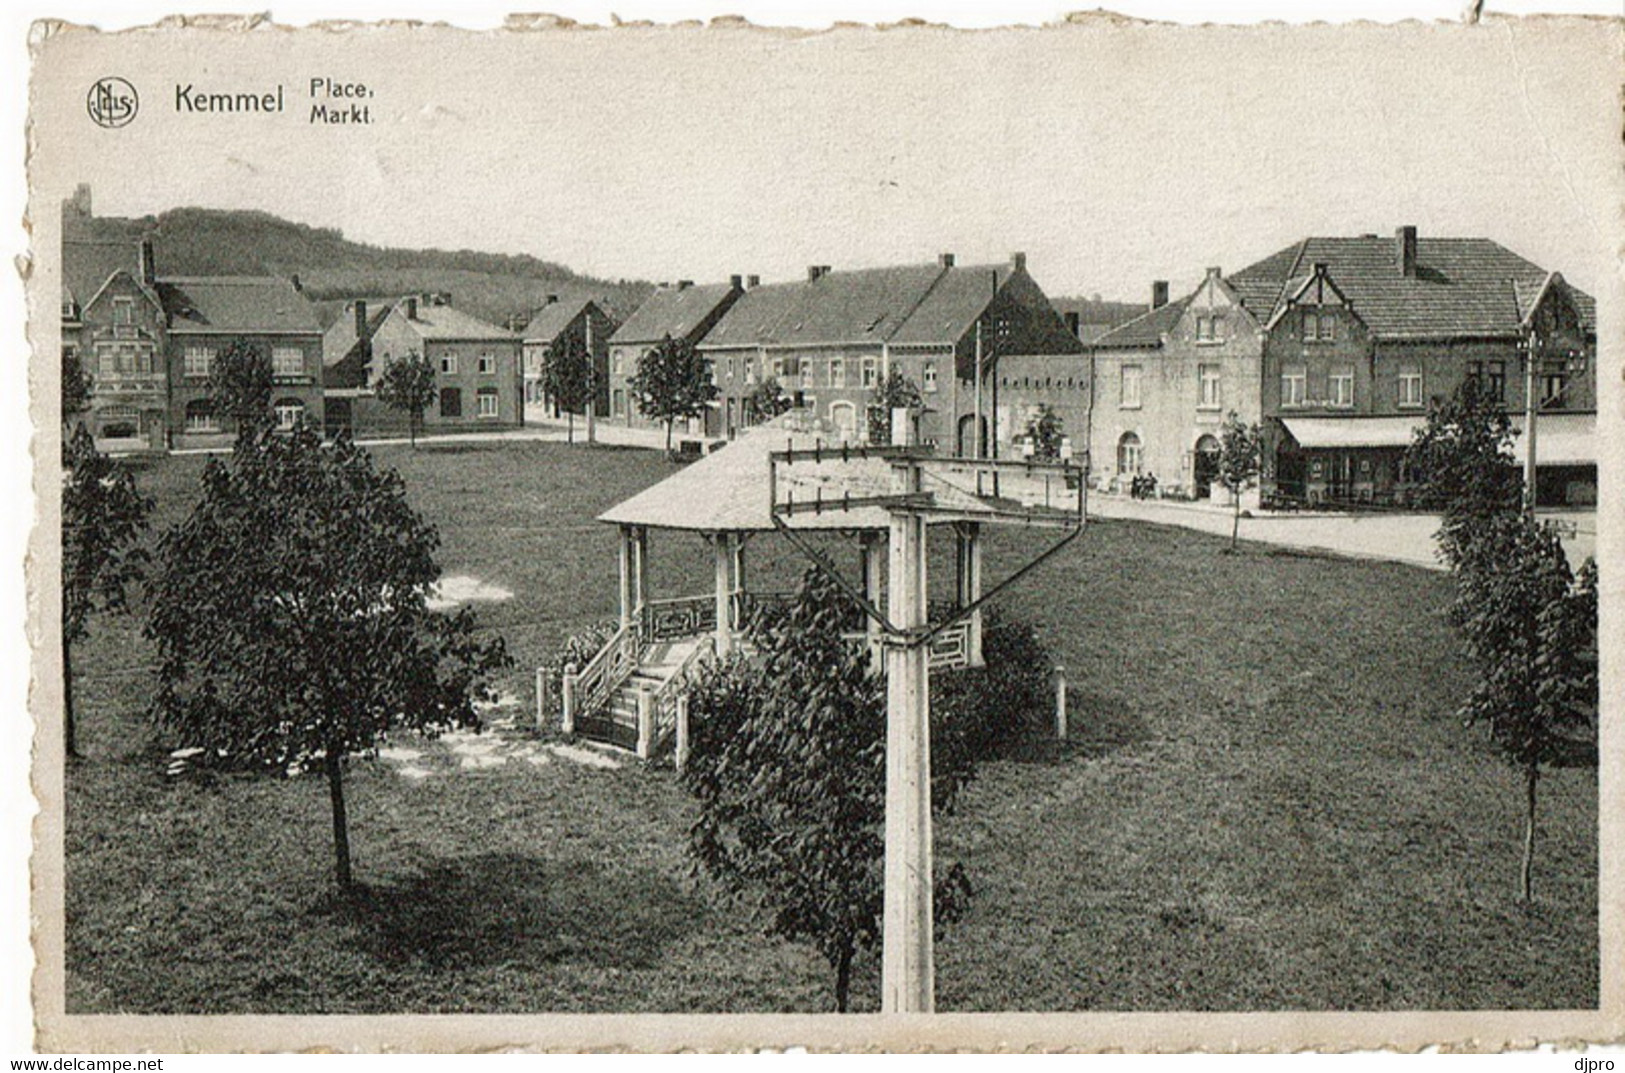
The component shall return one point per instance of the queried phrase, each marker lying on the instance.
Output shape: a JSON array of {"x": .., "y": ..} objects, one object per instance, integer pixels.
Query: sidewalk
[{"x": 605, "y": 430}]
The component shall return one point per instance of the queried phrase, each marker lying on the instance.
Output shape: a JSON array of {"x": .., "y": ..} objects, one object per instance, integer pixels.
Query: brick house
[
  {"x": 683, "y": 311},
  {"x": 148, "y": 343},
  {"x": 580, "y": 319},
  {"x": 477, "y": 365},
  {"x": 831, "y": 338},
  {"x": 1363, "y": 334},
  {"x": 1166, "y": 382}
]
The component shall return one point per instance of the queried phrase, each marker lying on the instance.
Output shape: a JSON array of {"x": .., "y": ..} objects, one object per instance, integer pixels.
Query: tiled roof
[
  {"x": 553, "y": 318},
  {"x": 1461, "y": 286},
  {"x": 88, "y": 265},
  {"x": 862, "y": 306},
  {"x": 1147, "y": 329},
  {"x": 236, "y": 304},
  {"x": 673, "y": 311},
  {"x": 447, "y": 322},
  {"x": 755, "y": 318},
  {"x": 952, "y": 307}
]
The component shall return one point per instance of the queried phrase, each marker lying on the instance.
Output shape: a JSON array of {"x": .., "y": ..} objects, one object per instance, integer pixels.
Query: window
[
  {"x": 871, "y": 372},
  {"x": 1210, "y": 329},
  {"x": 123, "y": 312},
  {"x": 1496, "y": 374},
  {"x": 487, "y": 399},
  {"x": 1131, "y": 387},
  {"x": 198, "y": 360},
  {"x": 930, "y": 376},
  {"x": 1552, "y": 389},
  {"x": 1128, "y": 453},
  {"x": 1410, "y": 386},
  {"x": 837, "y": 372},
  {"x": 778, "y": 369},
  {"x": 617, "y": 402},
  {"x": 288, "y": 413},
  {"x": 1293, "y": 379},
  {"x": 1319, "y": 327},
  {"x": 200, "y": 417},
  {"x": 730, "y": 368},
  {"x": 618, "y": 360},
  {"x": 1341, "y": 387},
  {"x": 807, "y": 373},
  {"x": 448, "y": 362},
  {"x": 287, "y": 361},
  {"x": 1208, "y": 375},
  {"x": 488, "y": 364},
  {"x": 451, "y": 402}
]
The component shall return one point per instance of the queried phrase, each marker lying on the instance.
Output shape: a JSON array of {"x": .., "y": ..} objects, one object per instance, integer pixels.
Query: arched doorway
[
  {"x": 965, "y": 445},
  {"x": 1205, "y": 471},
  {"x": 1130, "y": 455},
  {"x": 844, "y": 416}
]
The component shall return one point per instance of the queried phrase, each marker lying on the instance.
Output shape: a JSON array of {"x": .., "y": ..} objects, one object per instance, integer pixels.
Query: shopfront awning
[{"x": 1560, "y": 439}]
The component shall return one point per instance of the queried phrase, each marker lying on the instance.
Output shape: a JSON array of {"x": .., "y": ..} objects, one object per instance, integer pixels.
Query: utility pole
[
  {"x": 907, "y": 972},
  {"x": 1531, "y": 408},
  {"x": 978, "y": 446},
  {"x": 592, "y": 382}
]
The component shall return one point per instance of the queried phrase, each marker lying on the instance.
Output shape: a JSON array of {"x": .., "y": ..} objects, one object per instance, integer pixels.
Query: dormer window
[
  {"x": 123, "y": 312},
  {"x": 1210, "y": 328},
  {"x": 1319, "y": 327}
]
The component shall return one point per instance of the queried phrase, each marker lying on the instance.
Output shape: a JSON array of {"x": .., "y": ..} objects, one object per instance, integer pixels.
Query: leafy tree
[
  {"x": 895, "y": 392},
  {"x": 1045, "y": 431},
  {"x": 767, "y": 400},
  {"x": 1241, "y": 453},
  {"x": 103, "y": 519},
  {"x": 407, "y": 385},
  {"x": 75, "y": 386},
  {"x": 1463, "y": 463},
  {"x": 240, "y": 387},
  {"x": 1531, "y": 631},
  {"x": 673, "y": 380},
  {"x": 788, "y": 764},
  {"x": 568, "y": 377},
  {"x": 290, "y": 617}
]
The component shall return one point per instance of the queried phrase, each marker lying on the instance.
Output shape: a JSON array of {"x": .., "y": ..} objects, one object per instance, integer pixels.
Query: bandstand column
[
  {"x": 723, "y": 545},
  {"x": 625, "y": 562}
]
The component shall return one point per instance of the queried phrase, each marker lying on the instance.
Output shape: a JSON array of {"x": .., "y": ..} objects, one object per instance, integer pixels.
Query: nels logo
[{"x": 112, "y": 102}]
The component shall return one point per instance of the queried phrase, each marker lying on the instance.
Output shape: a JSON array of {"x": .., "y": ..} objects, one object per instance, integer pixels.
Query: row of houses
[{"x": 1336, "y": 346}]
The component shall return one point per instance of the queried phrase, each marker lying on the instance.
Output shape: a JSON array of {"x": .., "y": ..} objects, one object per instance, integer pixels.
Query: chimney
[
  {"x": 360, "y": 318},
  {"x": 1159, "y": 293},
  {"x": 684, "y": 284},
  {"x": 294, "y": 279},
  {"x": 736, "y": 282},
  {"x": 814, "y": 272},
  {"x": 1018, "y": 262},
  {"x": 1213, "y": 272},
  {"x": 80, "y": 202},
  {"x": 149, "y": 270},
  {"x": 1405, "y": 250},
  {"x": 753, "y": 281},
  {"x": 412, "y": 307},
  {"x": 551, "y": 299},
  {"x": 945, "y": 260},
  {"x": 1074, "y": 323}
]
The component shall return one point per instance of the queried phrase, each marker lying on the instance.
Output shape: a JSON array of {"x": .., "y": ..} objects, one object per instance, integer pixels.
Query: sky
[{"x": 1112, "y": 156}]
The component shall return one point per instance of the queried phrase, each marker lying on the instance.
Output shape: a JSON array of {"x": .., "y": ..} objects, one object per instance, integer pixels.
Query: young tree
[
  {"x": 895, "y": 392},
  {"x": 568, "y": 378},
  {"x": 673, "y": 380},
  {"x": 1241, "y": 453},
  {"x": 240, "y": 387},
  {"x": 1045, "y": 431},
  {"x": 407, "y": 385},
  {"x": 75, "y": 386},
  {"x": 103, "y": 519},
  {"x": 1463, "y": 463},
  {"x": 788, "y": 763},
  {"x": 1531, "y": 631},
  {"x": 767, "y": 400},
  {"x": 290, "y": 617}
]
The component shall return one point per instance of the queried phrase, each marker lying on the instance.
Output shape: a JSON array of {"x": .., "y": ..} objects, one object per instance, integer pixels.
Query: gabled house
[
  {"x": 683, "y": 311},
  {"x": 113, "y": 320},
  {"x": 580, "y": 319},
  {"x": 1364, "y": 334}
]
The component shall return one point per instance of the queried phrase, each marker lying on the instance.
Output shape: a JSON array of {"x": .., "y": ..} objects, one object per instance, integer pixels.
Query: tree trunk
[
  {"x": 592, "y": 431},
  {"x": 70, "y": 741},
  {"x": 668, "y": 437},
  {"x": 1531, "y": 776},
  {"x": 1235, "y": 518},
  {"x": 569, "y": 426},
  {"x": 843, "y": 979},
  {"x": 412, "y": 428},
  {"x": 341, "y": 821}
]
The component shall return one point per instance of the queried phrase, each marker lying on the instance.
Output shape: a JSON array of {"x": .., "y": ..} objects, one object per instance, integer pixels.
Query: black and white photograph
[{"x": 1091, "y": 535}]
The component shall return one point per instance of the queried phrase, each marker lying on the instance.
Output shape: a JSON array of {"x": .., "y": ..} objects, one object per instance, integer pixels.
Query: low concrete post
[
  {"x": 544, "y": 693},
  {"x": 567, "y": 699},
  {"x": 681, "y": 757},
  {"x": 1060, "y": 702},
  {"x": 646, "y": 723}
]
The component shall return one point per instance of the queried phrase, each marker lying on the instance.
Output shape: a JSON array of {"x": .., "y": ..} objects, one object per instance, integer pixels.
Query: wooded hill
[{"x": 331, "y": 268}]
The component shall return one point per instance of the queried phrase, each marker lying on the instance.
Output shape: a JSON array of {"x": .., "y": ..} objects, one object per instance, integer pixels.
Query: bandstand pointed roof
[{"x": 728, "y": 490}]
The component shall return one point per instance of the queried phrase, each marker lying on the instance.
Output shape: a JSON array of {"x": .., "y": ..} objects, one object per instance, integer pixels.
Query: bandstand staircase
[{"x": 615, "y": 721}]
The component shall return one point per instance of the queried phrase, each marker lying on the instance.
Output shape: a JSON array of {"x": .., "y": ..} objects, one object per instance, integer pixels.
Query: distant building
[
  {"x": 581, "y": 319},
  {"x": 684, "y": 311},
  {"x": 477, "y": 366}
]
